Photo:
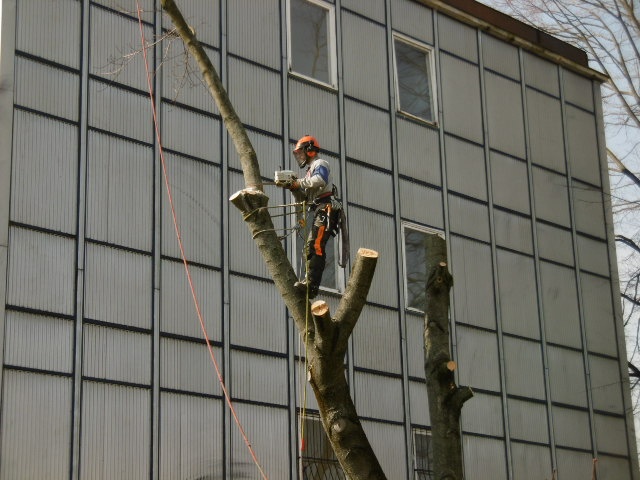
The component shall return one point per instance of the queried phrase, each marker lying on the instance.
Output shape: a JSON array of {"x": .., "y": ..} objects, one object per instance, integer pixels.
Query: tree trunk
[
  {"x": 445, "y": 397},
  {"x": 326, "y": 337}
]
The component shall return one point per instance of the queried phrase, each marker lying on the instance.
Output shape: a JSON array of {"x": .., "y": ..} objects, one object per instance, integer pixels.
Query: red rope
[{"x": 182, "y": 253}]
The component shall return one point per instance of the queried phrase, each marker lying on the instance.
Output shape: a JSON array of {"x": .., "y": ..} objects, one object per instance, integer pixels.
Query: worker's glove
[{"x": 288, "y": 184}]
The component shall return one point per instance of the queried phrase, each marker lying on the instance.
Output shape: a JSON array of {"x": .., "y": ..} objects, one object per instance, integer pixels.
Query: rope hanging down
[{"x": 182, "y": 253}]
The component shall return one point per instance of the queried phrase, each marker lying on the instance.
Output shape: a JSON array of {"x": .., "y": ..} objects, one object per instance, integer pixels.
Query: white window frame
[
  {"x": 427, "y": 231},
  {"x": 432, "y": 77},
  {"x": 331, "y": 45}
]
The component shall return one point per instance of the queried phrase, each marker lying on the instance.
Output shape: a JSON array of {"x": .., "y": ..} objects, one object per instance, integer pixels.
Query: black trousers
[{"x": 325, "y": 222}]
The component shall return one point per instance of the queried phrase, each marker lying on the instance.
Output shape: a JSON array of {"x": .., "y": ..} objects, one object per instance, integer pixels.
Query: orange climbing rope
[{"x": 182, "y": 253}]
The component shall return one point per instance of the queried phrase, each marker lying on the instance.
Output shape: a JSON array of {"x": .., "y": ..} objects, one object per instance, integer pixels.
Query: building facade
[{"x": 438, "y": 117}]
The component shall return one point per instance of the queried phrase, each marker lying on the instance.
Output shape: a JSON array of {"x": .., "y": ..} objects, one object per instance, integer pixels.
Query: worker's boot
[{"x": 307, "y": 287}]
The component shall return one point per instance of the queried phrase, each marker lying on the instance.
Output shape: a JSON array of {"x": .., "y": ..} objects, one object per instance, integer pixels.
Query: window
[
  {"x": 311, "y": 40},
  {"x": 415, "y": 268},
  {"x": 414, "y": 79},
  {"x": 422, "y": 455},
  {"x": 317, "y": 460}
]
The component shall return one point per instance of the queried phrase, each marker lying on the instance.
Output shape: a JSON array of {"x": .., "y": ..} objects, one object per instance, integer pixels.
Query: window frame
[
  {"x": 430, "y": 53},
  {"x": 310, "y": 416},
  {"x": 427, "y": 433},
  {"x": 331, "y": 45},
  {"x": 426, "y": 231}
]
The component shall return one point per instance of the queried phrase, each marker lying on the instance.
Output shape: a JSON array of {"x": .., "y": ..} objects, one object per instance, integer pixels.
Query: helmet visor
[{"x": 301, "y": 157}]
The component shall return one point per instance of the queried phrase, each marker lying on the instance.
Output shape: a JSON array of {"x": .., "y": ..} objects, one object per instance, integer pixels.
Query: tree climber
[{"x": 318, "y": 191}]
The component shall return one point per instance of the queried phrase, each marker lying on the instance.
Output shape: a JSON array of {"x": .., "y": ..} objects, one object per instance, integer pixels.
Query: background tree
[{"x": 609, "y": 31}]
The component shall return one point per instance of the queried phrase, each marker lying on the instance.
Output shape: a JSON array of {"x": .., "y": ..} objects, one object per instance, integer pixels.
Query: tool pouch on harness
[{"x": 339, "y": 224}]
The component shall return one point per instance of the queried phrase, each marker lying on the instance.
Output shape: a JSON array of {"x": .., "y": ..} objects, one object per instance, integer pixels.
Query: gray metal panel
[
  {"x": 413, "y": 19},
  {"x": 544, "y": 117},
  {"x": 248, "y": 87},
  {"x": 377, "y": 346},
  {"x": 270, "y": 158},
  {"x": 204, "y": 17},
  {"x": 531, "y": 461},
  {"x": 34, "y": 83},
  {"x": 260, "y": 378},
  {"x": 366, "y": 81},
  {"x": 468, "y": 218},
  {"x": 599, "y": 315},
  {"x": 385, "y": 404},
  {"x": 593, "y": 255},
  {"x": 177, "y": 310},
  {"x": 41, "y": 271},
  {"x": 415, "y": 344},
  {"x": 119, "y": 192},
  {"x": 116, "y": 431},
  {"x": 421, "y": 204},
  {"x": 551, "y": 196},
  {"x": 527, "y": 421},
  {"x": 500, "y": 56},
  {"x": 478, "y": 358},
  {"x": 560, "y": 304},
  {"x": 574, "y": 465},
  {"x": 115, "y": 354},
  {"x": 191, "y": 133},
  {"x": 462, "y": 111},
  {"x": 120, "y": 111},
  {"x": 589, "y": 209},
  {"x": 254, "y": 30},
  {"x": 195, "y": 187},
  {"x": 118, "y": 286},
  {"x": 44, "y": 172},
  {"x": 571, "y": 427},
  {"x": 35, "y": 341},
  {"x": 244, "y": 255},
  {"x": 145, "y": 5},
  {"x": 418, "y": 152},
  {"x": 505, "y": 115},
  {"x": 115, "y": 46},
  {"x": 187, "y": 366},
  {"x": 366, "y": 186},
  {"x": 583, "y": 146},
  {"x": 566, "y": 373},
  {"x": 606, "y": 386},
  {"x": 323, "y": 124},
  {"x": 518, "y": 303},
  {"x": 268, "y": 431},
  {"x": 510, "y": 186},
  {"x": 38, "y": 30},
  {"x": 458, "y": 38},
  {"x": 361, "y": 224},
  {"x": 373, "y": 9},
  {"x": 541, "y": 74},
  {"x": 554, "y": 243},
  {"x": 578, "y": 90},
  {"x": 513, "y": 231},
  {"x": 368, "y": 134},
  {"x": 182, "y": 81},
  {"x": 473, "y": 294},
  {"x": 36, "y": 426},
  {"x": 419, "y": 403},
  {"x": 484, "y": 458},
  {"x": 613, "y": 467},
  {"x": 466, "y": 169},
  {"x": 191, "y": 436},
  {"x": 523, "y": 368},
  {"x": 388, "y": 443},
  {"x": 483, "y": 415}
]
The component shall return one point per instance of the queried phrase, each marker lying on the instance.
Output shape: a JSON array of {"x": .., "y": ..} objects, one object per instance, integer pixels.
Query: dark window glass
[
  {"x": 317, "y": 460},
  {"x": 414, "y": 80},
  {"x": 310, "y": 55},
  {"x": 422, "y": 455},
  {"x": 415, "y": 267}
]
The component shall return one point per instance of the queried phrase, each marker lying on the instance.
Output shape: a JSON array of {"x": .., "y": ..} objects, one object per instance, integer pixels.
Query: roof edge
[{"x": 517, "y": 33}]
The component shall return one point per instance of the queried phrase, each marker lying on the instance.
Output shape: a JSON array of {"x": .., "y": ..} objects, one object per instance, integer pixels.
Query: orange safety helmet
[{"x": 306, "y": 148}]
